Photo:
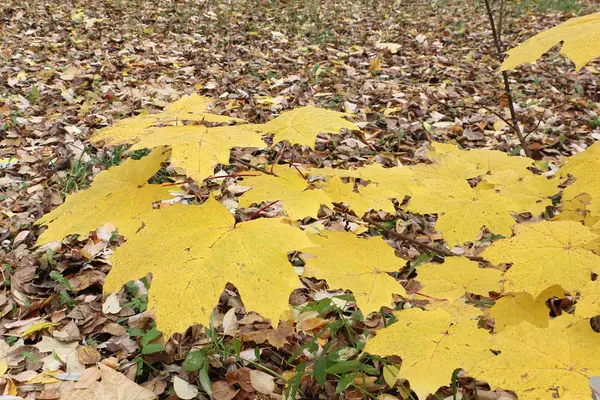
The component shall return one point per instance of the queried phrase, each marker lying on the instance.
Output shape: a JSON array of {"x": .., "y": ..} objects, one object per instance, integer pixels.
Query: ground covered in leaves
[{"x": 410, "y": 73}]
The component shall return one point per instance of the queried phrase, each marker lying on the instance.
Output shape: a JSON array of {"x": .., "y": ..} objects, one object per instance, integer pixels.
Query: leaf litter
[{"x": 51, "y": 103}]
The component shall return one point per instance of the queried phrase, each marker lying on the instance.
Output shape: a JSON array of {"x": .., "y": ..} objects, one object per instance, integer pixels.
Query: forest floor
[{"x": 71, "y": 67}]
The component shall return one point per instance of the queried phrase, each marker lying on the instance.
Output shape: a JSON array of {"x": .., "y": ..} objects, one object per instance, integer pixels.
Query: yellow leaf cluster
[
  {"x": 455, "y": 277},
  {"x": 580, "y": 37},
  {"x": 198, "y": 149},
  {"x": 193, "y": 251},
  {"x": 582, "y": 198},
  {"x": 441, "y": 187},
  {"x": 189, "y": 108}
]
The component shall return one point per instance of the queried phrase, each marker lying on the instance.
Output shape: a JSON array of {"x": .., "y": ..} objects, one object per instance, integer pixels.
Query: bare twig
[
  {"x": 507, "y": 90},
  {"x": 500, "y": 18},
  {"x": 507, "y": 122},
  {"x": 537, "y": 126},
  {"x": 262, "y": 209},
  {"x": 247, "y": 164},
  {"x": 406, "y": 238}
]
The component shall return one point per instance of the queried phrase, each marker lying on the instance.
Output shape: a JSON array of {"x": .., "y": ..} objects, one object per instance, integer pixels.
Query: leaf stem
[
  {"x": 247, "y": 164},
  {"x": 262, "y": 209}
]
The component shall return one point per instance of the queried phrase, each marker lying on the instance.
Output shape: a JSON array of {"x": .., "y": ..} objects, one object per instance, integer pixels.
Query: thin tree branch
[
  {"x": 247, "y": 164},
  {"x": 500, "y": 19},
  {"x": 261, "y": 210},
  {"x": 507, "y": 89},
  {"x": 441, "y": 251},
  {"x": 507, "y": 122},
  {"x": 537, "y": 126}
]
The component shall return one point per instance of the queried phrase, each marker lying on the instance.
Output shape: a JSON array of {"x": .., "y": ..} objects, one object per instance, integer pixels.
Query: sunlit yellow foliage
[
  {"x": 195, "y": 251},
  {"x": 543, "y": 363},
  {"x": 360, "y": 265},
  {"x": 299, "y": 199},
  {"x": 455, "y": 277},
  {"x": 372, "y": 196},
  {"x": 462, "y": 210},
  {"x": 588, "y": 304},
  {"x": 198, "y": 149},
  {"x": 189, "y": 108},
  {"x": 432, "y": 345},
  {"x": 302, "y": 125},
  {"x": 544, "y": 254},
  {"x": 119, "y": 195},
  {"x": 582, "y": 197},
  {"x": 580, "y": 37},
  {"x": 514, "y": 308}
]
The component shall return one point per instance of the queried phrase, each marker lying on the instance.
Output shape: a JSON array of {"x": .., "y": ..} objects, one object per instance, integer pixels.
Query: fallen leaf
[
  {"x": 183, "y": 389},
  {"x": 262, "y": 382}
]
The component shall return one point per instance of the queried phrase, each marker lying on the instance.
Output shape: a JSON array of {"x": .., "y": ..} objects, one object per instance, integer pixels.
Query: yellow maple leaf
[
  {"x": 580, "y": 37},
  {"x": 368, "y": 197},
  {"x": 346, "y": 261},
  {"x": 441, "y": 188},
  {"x": 195, "y": 251},
  {"x": 544, "y": 254},
  {"x": 118, "y": 195},
  {"x": 189, "y": 108},
  {"x": 302, "y": 125},
  {"x": 432, "y": 345},
  {"x": 198, "y": 149},
  {"x": 455, "y": 277},
  {"x": 534, "y": 191},
  {"x": 583, "y": 196},
  {"x": 588, "y": 305},
  {"x": 580, "y": 163},
  {"x": 456, "y": 163},
  {"x": 299, "y": 199},
  {"x": 514, "y": 308},
  {"x": 462, "y": 210},
  {"x": 543, "y": 363}
]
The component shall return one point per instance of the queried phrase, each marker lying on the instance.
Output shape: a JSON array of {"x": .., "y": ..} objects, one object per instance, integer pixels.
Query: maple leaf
[
  {"x": 588, "y": 305},
  {"x": 450, "y": 161},
  {"x": 198, "y": 149},
  {"x": 455, "y": 277},
  {"x": 579, "y": 208},
  {"x": 118, "y": 195},
  {"x": 302, "y": 125},
  {"x": 544, "y": 254},
  {"x": 580, "y": 37},
  {"x": 543, "y": 363},
  {"x": 583, "y": 167},
  {"x": 463, "y": 210},
  {"x": 432, "y": 345},
  {"x": 201, "y": 249},
  {"x": 442, "y": 188},
  {"x": 188, "y": 108},
  {"x": 514, "y": 308},
  {"x": 360, "y": 265},
  {"x": 299, "y": 199},
  {"x": 368, "y": 197}
]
